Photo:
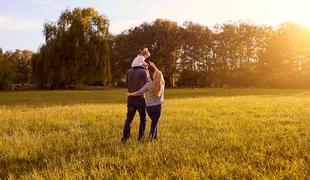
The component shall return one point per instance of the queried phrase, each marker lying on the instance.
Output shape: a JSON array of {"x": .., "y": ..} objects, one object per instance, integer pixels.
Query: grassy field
[{"x": 203, "y": 133}]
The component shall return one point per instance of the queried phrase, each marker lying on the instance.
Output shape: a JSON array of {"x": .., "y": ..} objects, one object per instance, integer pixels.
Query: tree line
[
  {"x": 79, "y": 50},
  {"x": 235, "y": 54}
]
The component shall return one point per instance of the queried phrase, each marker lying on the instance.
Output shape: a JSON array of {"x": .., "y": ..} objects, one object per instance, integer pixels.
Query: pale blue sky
[{"x": 21, "y": 21}]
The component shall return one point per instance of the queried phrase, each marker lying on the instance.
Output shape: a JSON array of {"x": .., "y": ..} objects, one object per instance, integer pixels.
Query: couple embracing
[{"x": 139, "y": 82}]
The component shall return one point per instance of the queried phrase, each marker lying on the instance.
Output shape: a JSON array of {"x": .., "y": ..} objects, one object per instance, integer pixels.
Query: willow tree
[{"x": 76, "y": 51}]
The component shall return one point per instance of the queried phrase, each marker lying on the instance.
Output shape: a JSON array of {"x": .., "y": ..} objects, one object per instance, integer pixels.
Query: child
[
  {"x": 154, "y": 99},
  {"x": 139, "y": 61}
]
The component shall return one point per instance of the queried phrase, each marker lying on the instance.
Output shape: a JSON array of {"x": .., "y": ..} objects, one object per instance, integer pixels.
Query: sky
[{"x": 21, "y": 21}]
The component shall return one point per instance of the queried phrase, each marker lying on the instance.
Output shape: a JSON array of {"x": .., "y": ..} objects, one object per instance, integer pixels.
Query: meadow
[{"x": 203, "y": 134}]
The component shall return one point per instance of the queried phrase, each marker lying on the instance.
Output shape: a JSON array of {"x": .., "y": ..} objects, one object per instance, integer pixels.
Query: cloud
[
  {"x": 17, "y": 24},
  {"x": 136, "y": 16},
  {"x": 41, "y": 1},
  {"x": 211, "y": 12},
  {"x": 118, "y": 27},
  {"x": 135, "y": 9}
]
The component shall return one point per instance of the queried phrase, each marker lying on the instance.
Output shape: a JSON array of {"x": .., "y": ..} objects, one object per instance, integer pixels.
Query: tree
[
  {"x": 76, "y": 51},
  {"x": 236, "y": 51},
  {"x": 160, "y": 36},
  {"x": 195, "y": 55},
  {"x": 7, "y": 71},
  {"x": 286, "y": 56},
  {"x": 22, "y": 61}
]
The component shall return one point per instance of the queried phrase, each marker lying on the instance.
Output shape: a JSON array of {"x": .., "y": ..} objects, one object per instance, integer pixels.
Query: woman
[{"x": 154, "y": 99}]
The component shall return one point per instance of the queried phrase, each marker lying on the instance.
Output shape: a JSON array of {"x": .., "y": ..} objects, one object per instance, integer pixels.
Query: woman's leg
[
  {"x": 155, "y": 133},
  {"x": 154, "y": 113},
  {"x": 155, "y": 117}
]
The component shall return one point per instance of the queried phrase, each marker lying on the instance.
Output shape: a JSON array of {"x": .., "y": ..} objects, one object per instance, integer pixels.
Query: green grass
[{"x": 203, "y": 133}]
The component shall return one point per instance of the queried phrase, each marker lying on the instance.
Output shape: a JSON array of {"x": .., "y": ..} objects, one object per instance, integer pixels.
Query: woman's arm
[
  {"x": 153, "y": 65},
  {"x": 133, "y": 94},
  {"x": 139, "y": 92}
]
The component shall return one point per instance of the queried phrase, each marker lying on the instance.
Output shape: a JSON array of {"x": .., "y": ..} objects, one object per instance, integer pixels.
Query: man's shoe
[
  {"x": 141, "y": 139},
  {"x": 124, "y": 140}
]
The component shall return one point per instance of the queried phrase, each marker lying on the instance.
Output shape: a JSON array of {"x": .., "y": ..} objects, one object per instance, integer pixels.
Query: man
[{"x": 136, "y": 78}]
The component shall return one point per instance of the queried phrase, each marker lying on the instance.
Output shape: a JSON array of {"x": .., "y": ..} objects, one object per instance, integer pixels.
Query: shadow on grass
[
  {"x": 20, "y": 166},
  {"x": 112, "y": 96}
]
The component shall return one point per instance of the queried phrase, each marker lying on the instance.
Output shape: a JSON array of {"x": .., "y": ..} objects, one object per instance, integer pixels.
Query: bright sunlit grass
[{"x": 203, "y": 133}]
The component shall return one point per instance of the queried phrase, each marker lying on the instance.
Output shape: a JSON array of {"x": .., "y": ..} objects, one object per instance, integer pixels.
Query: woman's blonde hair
[
  {"x": 144, "y": 52},
  {"x": 157, "y": 83}
]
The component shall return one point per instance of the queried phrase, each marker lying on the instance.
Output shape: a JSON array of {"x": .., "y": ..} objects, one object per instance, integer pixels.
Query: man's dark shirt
[{"x": 136, "y": 78}]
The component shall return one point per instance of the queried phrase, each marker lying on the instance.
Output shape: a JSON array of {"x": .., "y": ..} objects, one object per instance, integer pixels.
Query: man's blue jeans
[{"x": 135, "y": 104}]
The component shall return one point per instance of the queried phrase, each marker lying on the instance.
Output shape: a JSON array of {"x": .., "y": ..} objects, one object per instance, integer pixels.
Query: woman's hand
[
  {"x": 131, "y": 94},
  {"x": 153, "y": 65}
]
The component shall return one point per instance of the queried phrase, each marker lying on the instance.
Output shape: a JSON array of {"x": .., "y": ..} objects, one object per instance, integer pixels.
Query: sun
[
  {"x": 292, "y": 11},
  {"x": 302, "y": 13},
  {"x": 305, "y": 21}
]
